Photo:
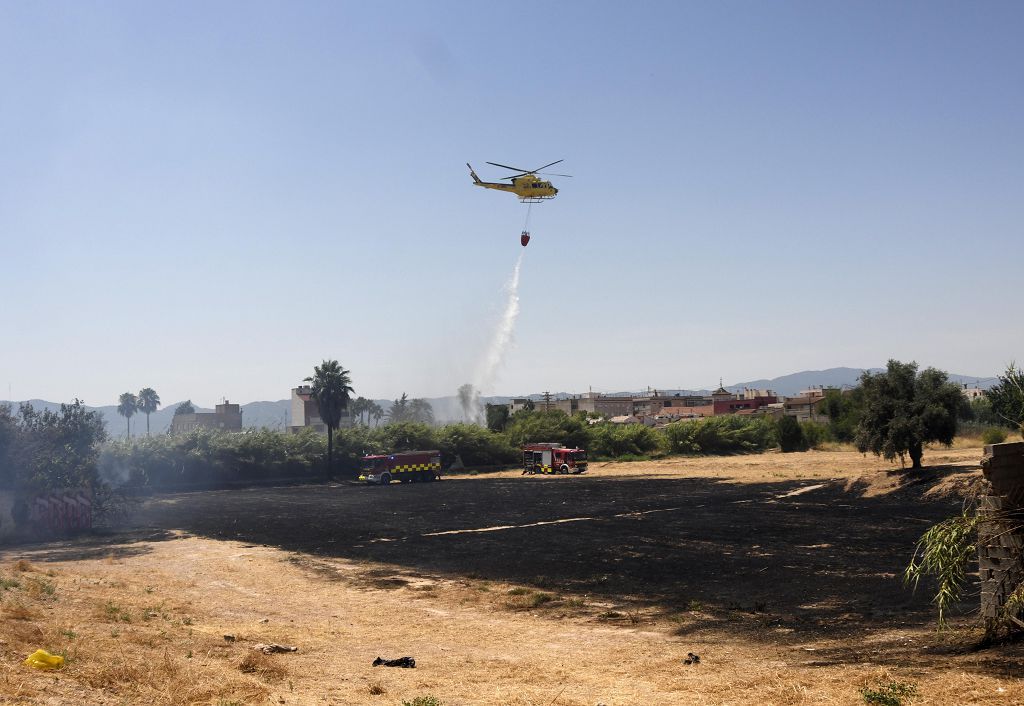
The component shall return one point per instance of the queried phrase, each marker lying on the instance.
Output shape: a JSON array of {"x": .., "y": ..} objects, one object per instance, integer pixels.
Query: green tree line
[
  {"x": 892, "y": 413},
  {"x": 215, "y": 458}
]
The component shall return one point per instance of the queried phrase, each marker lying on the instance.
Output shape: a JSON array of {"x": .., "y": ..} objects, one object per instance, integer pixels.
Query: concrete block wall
[
  {"x": 1000, "y": 536},
  {"x": 44, "y": 515},
  {"x": 8, "y": 529}
]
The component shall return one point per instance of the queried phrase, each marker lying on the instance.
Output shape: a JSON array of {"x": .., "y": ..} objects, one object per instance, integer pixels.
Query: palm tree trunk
[
  {"x": 128, "y": 421},
  {"x": 147, "y": 423},
  {"x": 330, "y": 451}
]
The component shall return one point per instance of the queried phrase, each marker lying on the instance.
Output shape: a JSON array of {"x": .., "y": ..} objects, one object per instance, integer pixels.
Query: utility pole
[{"x": 547, "y": 400}]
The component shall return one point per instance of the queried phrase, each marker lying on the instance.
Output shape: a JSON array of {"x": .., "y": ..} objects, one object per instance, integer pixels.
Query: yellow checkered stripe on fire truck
[
  {"x": 545, "y": 469},
  {"x": 409, "y": 467}
]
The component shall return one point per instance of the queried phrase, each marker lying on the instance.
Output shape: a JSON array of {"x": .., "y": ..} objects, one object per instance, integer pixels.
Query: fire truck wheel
[
  {"x": 564, "y": 469},
  {"x": 385, "y": 479}
]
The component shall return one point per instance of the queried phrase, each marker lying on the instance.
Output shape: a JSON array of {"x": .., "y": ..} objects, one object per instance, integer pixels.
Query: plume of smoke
[
  {"x": 113, "y": 470},
  {"x": 469, "y": 400},
  {"x": 497, "y": 349}
]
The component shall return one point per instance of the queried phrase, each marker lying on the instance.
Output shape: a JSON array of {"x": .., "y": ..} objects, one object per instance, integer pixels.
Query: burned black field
[{"x": 815, "y": 557}]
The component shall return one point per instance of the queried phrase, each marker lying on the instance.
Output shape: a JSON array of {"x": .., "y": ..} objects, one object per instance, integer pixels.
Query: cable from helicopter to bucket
[{"x": 524, "y": 237}]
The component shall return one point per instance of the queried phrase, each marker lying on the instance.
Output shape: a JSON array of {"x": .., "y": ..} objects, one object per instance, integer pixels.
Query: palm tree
[
  {"x": 360, "y": 407},
  {"x": 127, "y": 405},
  {"x": 375, "y": 411},
  {"x": 332, "y": 388},
  {"x": 148, "y": 403}
]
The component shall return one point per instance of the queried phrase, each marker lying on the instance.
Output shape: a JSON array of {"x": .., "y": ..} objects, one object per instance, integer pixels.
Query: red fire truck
[
  {"x": 553, "y": 458},
  {"x": 407, "y": 466}
]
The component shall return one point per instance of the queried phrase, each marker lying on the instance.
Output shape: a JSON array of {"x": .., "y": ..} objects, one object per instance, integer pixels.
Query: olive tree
[{"x": 903, "y": 410}]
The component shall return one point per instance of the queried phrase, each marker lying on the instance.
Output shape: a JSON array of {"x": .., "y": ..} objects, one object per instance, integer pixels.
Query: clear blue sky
[{"x": 210, "y": 198}]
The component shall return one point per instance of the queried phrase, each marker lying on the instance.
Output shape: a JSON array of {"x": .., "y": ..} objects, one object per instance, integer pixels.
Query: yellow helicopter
[{"x": 526, "y": 184}]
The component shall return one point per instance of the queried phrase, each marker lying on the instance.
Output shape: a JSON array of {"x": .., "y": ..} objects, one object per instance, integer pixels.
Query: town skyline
[{"x": 274, "y": 413}]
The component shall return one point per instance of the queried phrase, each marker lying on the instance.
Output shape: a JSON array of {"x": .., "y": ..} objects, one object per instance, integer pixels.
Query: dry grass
[
  {"x": 17, "y": 610},
  {"x": 159, "y": 661},
  {"x": 376, "y": 689},
  {"x": 262, "y": 665},
  {"x": 40, "y": 588},
  {"x": 841, "y": 464}
]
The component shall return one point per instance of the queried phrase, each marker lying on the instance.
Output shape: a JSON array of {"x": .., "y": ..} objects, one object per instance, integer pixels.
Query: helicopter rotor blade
[
  {"x": 505, "y": 166},
  {"x": 557, "y": 175},
  {"x": 548, "y": 165}
]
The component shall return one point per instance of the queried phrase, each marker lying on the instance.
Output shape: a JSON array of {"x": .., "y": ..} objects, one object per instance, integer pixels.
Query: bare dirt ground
[{"x": 781, "y": 571}]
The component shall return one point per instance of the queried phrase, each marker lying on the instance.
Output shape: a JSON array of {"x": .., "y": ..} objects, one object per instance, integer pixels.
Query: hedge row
[{"x": 212, "y": 458}]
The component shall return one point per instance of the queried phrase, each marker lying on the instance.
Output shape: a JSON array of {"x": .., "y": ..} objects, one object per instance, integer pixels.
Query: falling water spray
[{"x": 501, "y": 341}]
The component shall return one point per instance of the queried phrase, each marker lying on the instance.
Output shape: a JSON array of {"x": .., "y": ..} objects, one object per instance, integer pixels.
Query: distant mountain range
[{"x": 277, "y": 414}]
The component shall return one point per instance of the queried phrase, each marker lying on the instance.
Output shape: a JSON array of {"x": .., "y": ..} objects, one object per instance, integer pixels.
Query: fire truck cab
[
  {"x": 553, "y": 458},
  {"x": 406, "y": 466}
]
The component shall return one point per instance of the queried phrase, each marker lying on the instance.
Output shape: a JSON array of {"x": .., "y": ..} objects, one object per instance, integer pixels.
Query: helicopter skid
[{"x": 535, "y": 199}]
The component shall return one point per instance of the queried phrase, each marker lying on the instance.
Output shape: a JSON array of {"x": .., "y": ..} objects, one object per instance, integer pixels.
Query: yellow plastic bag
[{"x": 41, "y": 659}]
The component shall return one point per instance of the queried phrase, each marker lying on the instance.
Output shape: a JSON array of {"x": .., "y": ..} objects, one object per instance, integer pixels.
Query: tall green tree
[
  {"x": 128, "y": 405},
  {"x": 185, "y": 407},
  {"x": 332, "y": 390},
  {"x": 399, "y": 411},
  {"x": 791, "y": 435},
  {"x": 554, "y": 425},
  {"x": 148, "y": 402},
  {"x": 497, "y": 417},
  {"x": 1007, "y": 397},
  {"x": 843, "y": 409},
  {"x": 981, "y": 412},
  {"x": 421, "y": 411},
  {"x": 904, "y": 410},
  {"x": 41, "y": 450}
]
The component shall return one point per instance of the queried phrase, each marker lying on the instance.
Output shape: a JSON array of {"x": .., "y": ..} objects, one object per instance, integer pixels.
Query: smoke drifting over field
[
  {"x": 497, "y": 349},
  {"x": 469, "y": 400}
]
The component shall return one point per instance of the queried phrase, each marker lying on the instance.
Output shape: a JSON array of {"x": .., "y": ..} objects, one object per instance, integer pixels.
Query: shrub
[
  {"x": 616, "y": 440},
  {"x": 405, "y": 436},
  {"x": 993, "y": 435},
  {"x": 212, "y": 458},
  {"x": 554, "y": 425},
  {"x": 815, "y": 434},
  {"x": 475, "y": 445},
  {"x": 720, "y": 435},
  {"x": 888, "y": 694},
  {"x": 790, "y": 434}
]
